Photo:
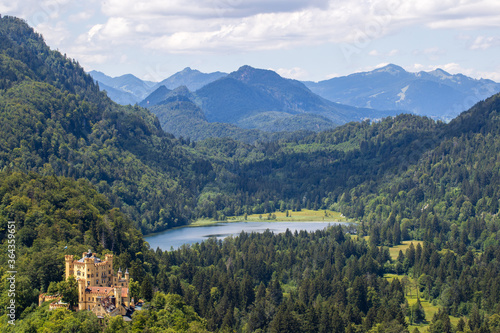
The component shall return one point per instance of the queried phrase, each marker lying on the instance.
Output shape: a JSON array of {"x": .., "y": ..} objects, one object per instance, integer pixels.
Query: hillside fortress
[{"x": 99, "y": 290}]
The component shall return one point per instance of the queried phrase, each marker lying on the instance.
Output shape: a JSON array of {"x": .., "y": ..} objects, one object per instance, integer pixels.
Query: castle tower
[
  {"x": 109, "y": 259},
  {"x": 69, "y": 266},
  {"x": 119, "y": 273},
  {"x": 81, "y": 294},
  {"x": 127, "y": 275},
  {"x": 118, "y": 296}
]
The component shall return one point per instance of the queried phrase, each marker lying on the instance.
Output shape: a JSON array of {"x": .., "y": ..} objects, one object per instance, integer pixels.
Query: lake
[{"x": 190, "y": 235}]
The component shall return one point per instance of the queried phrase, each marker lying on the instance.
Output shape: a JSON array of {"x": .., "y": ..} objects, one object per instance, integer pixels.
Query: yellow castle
[{"x": 99, "y": 290}]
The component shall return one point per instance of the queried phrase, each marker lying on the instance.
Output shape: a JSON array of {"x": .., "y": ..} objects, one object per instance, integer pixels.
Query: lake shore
[{"x": 287, "y": 216}]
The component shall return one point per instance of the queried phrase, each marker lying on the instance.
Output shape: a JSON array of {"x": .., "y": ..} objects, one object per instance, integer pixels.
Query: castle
[{"x": 99, "y": 290}]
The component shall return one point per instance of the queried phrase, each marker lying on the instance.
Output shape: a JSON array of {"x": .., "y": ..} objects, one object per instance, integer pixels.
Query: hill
[{"x": 436, "y": 94}]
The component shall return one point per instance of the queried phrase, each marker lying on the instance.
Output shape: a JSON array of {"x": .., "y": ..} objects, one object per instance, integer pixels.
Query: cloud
[
  {"x": 205, "y": 9},
  {"x": 191, "y": 26},
  {"x": 296, "y": 73},
  {"x": 113, "y": 27},
  {"x": 484, "y": 43},
  {"x": 391, "y": 53},
  {"x": 211, "y": 26}
]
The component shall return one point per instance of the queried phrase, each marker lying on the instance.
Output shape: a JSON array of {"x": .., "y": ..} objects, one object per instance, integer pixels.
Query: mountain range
[
  {"x": 129, "y": 89},
  {"x": 435, "y": 94},
  {"x": 251, "y": 99},
  {"x": 259, "y": 99}
]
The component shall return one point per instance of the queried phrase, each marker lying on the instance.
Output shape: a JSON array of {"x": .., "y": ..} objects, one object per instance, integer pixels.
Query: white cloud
[
  {"x": 81, "y": 16},
  {"x": 194, "y": 26},
  {"x": 391, "y": 53},
  {"x": 191, "y": 26},
  {"x": 54, "y": 34},
  {"x": 484, "y": 43},
  {"x": 204, "y": 9},
  {"x": 97, "y": 30},
  {"x": 296, "y": 73}
]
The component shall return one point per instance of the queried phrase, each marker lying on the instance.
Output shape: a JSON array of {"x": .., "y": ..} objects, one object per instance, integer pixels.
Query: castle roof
[
  {"x": 105, "y": 291},
  {"x": 91, "y": 256}
]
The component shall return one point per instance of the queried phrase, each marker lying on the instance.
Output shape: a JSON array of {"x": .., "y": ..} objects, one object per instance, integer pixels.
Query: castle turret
[
  {"x": 127, "y": 275},
  {"x": 69, "y": 265},
  {"x": 81, "y": 294},
  {"x": 119, "y": 273},
  {"x": 118, "y": 296},
  {"x": 109, "y": 259}
]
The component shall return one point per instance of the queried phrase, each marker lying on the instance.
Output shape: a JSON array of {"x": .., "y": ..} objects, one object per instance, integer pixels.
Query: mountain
[
  {"x": 247, "y": 100},
  {"x": 436, "y": 94},
  {"x": 127, "y": 87},
  {"x": 117, "y": 95},
  {"x": 191, "y": 78},
  {"x": 156, "y": 97},
  {"x": 250, "y": 91},
  {"x": 183, "y": 118}
]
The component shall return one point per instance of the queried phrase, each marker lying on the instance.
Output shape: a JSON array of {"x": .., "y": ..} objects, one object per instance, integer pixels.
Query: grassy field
[
  {"x": 301, "y": 216},
  {"x": 411, "y": 291},
  {"x": 394, "y": 251}
]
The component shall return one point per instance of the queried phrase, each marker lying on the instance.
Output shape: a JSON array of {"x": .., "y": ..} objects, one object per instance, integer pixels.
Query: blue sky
[{"x": 306, "y": 40}]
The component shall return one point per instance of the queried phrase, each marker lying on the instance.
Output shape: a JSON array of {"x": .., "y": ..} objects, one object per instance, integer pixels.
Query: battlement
[{"x": 96, "y": 281}]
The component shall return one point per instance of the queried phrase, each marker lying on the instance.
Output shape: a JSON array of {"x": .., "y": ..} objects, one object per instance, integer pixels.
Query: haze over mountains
[
  {"x": 436, "y": 94},
  {"x": 251, "y": 98}
]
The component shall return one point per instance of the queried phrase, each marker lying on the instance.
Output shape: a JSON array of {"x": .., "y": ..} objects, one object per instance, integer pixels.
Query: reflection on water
[{"x": 190, "y": 235}]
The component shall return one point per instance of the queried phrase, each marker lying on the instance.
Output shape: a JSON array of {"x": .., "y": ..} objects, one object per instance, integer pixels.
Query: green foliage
[
  {"x": 55, "y": 121},
  {"x": 285, "y": 282},
  {"x": 59, "y": 320},
  {"x": 173, "y": 316},
  {"x": 52, "y": 213}
]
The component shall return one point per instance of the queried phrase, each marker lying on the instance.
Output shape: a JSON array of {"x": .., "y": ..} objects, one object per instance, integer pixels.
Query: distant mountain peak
[
  {"x": 248, "y": 74},
  {"x": 442, "y": 74},
  {"x": 189, "y": 70},
  {"x": 391, "y": 69}
]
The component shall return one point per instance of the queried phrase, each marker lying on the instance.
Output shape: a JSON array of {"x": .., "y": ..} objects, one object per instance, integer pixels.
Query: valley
[{"x": 79, "y": 171}]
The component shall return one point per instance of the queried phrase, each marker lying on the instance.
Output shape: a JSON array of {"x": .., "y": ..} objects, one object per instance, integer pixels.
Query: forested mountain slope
[
  {"x": 425, "y": 175},
  {"x": 55, "y": 121}
]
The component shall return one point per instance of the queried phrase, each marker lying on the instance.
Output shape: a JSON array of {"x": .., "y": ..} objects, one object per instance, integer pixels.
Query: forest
[{"x": 78, "y": 171}]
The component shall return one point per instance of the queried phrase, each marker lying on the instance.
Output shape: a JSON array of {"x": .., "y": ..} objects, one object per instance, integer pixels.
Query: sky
[{"x": 306, "y": 40}]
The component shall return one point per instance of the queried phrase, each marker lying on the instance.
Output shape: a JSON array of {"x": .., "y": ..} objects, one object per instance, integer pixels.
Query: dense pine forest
[{"x": 78, "y": 171}]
